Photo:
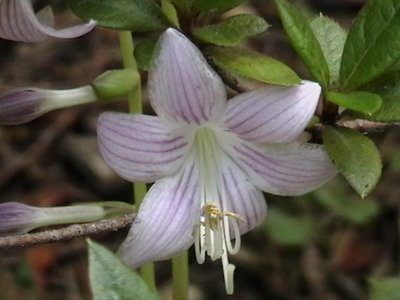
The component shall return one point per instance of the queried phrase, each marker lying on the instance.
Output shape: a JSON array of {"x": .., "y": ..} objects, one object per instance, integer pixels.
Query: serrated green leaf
[
  {"x": 145, "y": 53},
  {"x": 359, "y": 101},
  {"x": 231, "y": 31},
  {"x": 356, "y": 157},
  {"x": 111, "y": 279},
  {"x": 170, "y": 12},
  {"x": 373, "y": 43},
  {"x": 304, "y": 41},
  {"x": 214, "y": 7},
  {"x": 133, "y": 15},
  {"x": 252, "y": 65},
  {"x": 384, "y": 288},
  {"x": 331, "y": 37},
  {"x": 288, "y": 230},
  {"x": 336, "y": 198},
  {"x": 388, "y": 87}
]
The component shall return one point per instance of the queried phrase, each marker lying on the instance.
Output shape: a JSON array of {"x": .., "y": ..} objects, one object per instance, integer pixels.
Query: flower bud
[
  {"x": 19, "y": 218},
  {"x": 25, "y": 104},
  {"x": 115, "y": 83}
]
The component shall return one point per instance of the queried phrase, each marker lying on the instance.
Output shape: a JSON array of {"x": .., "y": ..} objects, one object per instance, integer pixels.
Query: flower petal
[
  {"x": 19, "y": 23},
  {"x": 240, "y": 196},
  {"x": 21, "y": 105},
  {"x": 183, "y": 87},
  {"x": 272, "y": 114},
  {"x": 164, "y": 225},
  {"x": 286, "y": 169},
  {"x": 140, "y": 147}
]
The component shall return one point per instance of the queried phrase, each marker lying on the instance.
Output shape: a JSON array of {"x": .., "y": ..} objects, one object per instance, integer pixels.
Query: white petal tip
[{"x": 311, "y": 85}]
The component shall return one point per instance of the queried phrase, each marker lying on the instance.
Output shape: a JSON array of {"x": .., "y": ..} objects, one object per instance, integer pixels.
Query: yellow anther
[{"x": 210, "y": 210}]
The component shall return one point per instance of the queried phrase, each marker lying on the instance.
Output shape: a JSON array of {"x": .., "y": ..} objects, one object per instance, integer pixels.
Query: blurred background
[{"x": 328, "y": 245}]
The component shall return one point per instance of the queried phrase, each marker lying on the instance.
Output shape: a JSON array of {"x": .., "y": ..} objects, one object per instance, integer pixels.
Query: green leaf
[
  {"x": 214, "y": 7},
  {"x": 304, "y": 41},
  {"x": 170, "y": 12},
  {"x": 336, "y": 198},
  {"x": 373, "y": 43},
  {"x": 145, "y": 53},
  {"x": 288, "y": 230},
  {"x": 252, "y": 65},
  {"x": 331, "y": 37},
  {"x": 394, "y": 163},
  {"x": 359, "y": 101},
  {"x": 356, "y": 157},
  {"x": 111, "y": 279},
  {"x": 384, "y": 288},
  {"x": 388, "y": 87},
  {"x": 231, "y": 31},
  {"x": 133, "y": 15}
]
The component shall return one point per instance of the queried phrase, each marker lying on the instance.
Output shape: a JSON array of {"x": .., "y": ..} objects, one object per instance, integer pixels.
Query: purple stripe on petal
[
  {"x": 272, "y": 114},
  {"x": 19, "y": 23},
  {"x": 21, "y": 106},
  {"x": 139, "y": 147},
  {"x": 183, "y": 87},
  {"x": 165, "y": 221},
  {"x": 242, "y": 197},
  {"x": 285, "y": 169}
]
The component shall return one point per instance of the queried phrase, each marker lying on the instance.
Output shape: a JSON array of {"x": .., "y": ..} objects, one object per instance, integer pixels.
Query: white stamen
[
  {"x": 236, "y": 237},
  {"x": 212, "y": 234}
]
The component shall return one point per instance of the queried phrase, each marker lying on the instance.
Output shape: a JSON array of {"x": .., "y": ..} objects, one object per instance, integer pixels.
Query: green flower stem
[
  {"x": 136, "y": 107},
  {"x": 180, "y": 277}
]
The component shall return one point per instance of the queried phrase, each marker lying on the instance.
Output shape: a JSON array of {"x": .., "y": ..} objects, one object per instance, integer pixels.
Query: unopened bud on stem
[{"x": 19, "y": 218}]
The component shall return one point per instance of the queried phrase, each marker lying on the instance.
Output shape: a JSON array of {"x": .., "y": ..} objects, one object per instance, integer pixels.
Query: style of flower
[
  {"x": 211, "y": 158},
  {"x": 18, "y": 22}
]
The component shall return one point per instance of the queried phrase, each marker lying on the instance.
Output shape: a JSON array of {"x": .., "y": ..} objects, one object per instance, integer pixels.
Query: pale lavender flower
[
  {"x": 18, "y": 22},
  {"x": 18, "y": 218},
  {"x": 25, "y": 104},
  {"x": 211, "y": 158}
]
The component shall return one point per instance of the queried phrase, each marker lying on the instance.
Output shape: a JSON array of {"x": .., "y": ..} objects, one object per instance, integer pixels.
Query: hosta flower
[
  {"x": 211, "y": 158},
  {"x": 25, "y": 104},
  {"x": 18, "y": 22},
  {"x": 18, "y": 218}
]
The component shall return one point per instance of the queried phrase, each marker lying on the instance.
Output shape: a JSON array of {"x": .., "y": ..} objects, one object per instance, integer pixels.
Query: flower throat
[{"x": 212, "y": 235}]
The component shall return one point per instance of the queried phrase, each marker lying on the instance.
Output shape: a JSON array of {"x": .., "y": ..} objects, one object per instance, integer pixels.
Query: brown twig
[
  {"x": 365, "y": 125},
  {"x": 66, "y": 233}
]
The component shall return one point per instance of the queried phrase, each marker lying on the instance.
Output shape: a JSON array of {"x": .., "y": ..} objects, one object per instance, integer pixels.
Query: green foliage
[
  {"x": 133, "y": 15},
  {"x": 304, "y": 41},
  {"x": 331, "y": 37},
  {"x": 145, "y": 53},
  {"x": 288, "y": 230},
  {"x": 384, "y": 288},
  {"x": 170, "y": 12},
  {"x": 359, "y": 101},
  {"x": 252, "y": 65},
  {"x": 111, "y": 279},
  {"x": 373, "y": 43},
  {"x": 231, "y": 31},
  {"x": 209, "y": 7},
  {"x": 356, "y": 157},
  {"x": 394, "y": 164},
  {"x": 388, "y": 87},
  {"x": 213, "y": 7},
  {"x": 336, "y": 197}
]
